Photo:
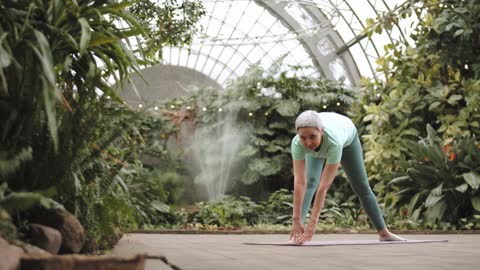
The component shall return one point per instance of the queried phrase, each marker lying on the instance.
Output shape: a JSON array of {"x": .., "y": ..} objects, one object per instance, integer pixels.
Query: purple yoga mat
[{"x": 345, "y": 242}]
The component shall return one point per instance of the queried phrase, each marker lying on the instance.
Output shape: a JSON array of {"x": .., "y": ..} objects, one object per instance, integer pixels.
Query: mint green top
[{"x": 339, "y": 133}]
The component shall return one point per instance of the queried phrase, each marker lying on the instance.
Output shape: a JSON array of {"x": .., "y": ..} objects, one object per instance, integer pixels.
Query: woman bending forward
[{"x": 323, "y": 142}]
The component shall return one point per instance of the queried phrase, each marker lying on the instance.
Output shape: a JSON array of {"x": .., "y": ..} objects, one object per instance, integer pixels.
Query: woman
[{"x": 323, "y": 142}]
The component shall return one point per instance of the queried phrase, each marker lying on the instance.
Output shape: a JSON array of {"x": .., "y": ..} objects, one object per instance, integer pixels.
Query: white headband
[{"x": 309, "y": 119}]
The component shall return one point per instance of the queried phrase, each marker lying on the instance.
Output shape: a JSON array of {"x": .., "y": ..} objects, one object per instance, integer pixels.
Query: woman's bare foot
[{"x": 386, "y": 235}]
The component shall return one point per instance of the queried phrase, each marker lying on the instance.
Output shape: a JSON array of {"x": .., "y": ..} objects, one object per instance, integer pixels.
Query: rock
[
  {"x": 33, "y": 250},
  {"x": 73, "y": 234},
  {"x": 82, "y": 262},
  {"x": 89, "y": 247},
  {"x": 45, "y": 238},
  {"x": 10, "y": 256},
  {"x": 108, "y": 242}
]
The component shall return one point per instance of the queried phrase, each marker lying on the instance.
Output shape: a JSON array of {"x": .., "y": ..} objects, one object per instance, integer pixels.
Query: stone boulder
[
  {"x": 44, "y": 237},
  {"x": 10, "y": 256},
  {"x": 73, "y": 234},
  {"x": 30, "y": 249},
  {"x": 82, "y": 262}
]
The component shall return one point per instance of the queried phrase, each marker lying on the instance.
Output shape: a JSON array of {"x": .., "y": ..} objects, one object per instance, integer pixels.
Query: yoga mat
[{"x": 345, "y": 242}]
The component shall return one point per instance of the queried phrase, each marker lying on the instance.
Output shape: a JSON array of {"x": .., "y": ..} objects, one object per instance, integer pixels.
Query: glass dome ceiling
[{"x": 324, "y": 35}]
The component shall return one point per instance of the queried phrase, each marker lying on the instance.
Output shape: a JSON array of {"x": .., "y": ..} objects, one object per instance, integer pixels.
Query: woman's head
[
  {"x": 309, "y": 128},
  {"x": 309, "y": 119}
]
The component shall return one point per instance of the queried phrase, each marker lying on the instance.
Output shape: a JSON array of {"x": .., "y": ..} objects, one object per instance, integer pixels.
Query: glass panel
[
  {"x": 244, "y": 32},
  {"x": 201, "y": 62},
  {"x": 216, "y": 70},
  {"x": 337, "y": 69}
]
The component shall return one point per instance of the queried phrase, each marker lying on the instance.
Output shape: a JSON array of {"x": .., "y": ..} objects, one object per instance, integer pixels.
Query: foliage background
[
  {"x": 63, "y": 145},
  {"x": 59, "y": 138},
  {"x": 265, "y": 102},
  {"x": 433, "y": 82}
]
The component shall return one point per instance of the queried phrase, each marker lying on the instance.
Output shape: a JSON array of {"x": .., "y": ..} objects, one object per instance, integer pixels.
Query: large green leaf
[
  {"x": 476, "y": 203},
  {"x": 248, "y": 151},
  {"x": 432, "y": 200},
  {"x": 453, "y": 99},
  {"x": 414, "y": 147},
  {"x": 412, "y": 204},
  {"x": 399, "y": 179},
  {"x": 435, "y": 196},
  {"x": 4, "y": 56},
  {"x": 431, "y": 132},
  {"x": 438, "y": 190},
  {"x": 473, "y": 179},
  {"x": 123, "y": 15},
  {"x": 416, "y": 214},
  {"x": 282, "y": 141},
  {"x": 260, "y": 142},
  {"x": 266, "y": 166},
  {"x": 86, "y": 35},
  {"x": 160, "y": 206},
  {"x": 462, "y": 188},
  {"x": 274, "y": 148},
  {"x": 264, "y": 131},
  {"x": 44, "y": 56},
  {"x": 98, "y": 38},
  {"x": 436, "y": 212},
  {"x": 49, "y": 105},
  {"x": 249, "y": 177},
  {"x": 288, "y": 107}
]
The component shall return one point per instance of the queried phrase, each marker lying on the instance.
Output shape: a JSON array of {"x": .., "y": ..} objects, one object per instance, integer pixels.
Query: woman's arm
[
  {"x": 328, "y": 175},
  {"x": 300, "y": 183},
  {"x": 299, "y": 186}
]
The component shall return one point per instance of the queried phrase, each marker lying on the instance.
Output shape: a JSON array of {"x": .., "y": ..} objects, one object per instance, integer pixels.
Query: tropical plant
[
  {"x": 228, "y": 212},
  {"x": 52, "y": 53},
  {"x": 342, "y": 208},
  {"x": 433, "y": 81},
  {"x": 279, "y": 207},
  {"x": 441, "y": 181},
  {"x": 151, "y": 193},
  {"x": 62, "y": 125},
  {"x": 113, "y": 188},
  {"x": 167, "y": 23},
  {"x": 15, "y": 204}
]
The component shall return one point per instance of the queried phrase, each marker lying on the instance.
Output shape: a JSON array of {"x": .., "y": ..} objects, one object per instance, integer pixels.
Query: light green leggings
[{"x": 352, "y": 163}]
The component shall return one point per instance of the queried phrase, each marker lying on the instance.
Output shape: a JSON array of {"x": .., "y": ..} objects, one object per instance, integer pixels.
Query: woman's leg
[
  {"x": 352, "y": 163},
  {"x": 313, "y": 171}
]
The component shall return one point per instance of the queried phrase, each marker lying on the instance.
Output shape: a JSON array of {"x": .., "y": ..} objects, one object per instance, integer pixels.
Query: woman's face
[{"x": 310, "y": 137}]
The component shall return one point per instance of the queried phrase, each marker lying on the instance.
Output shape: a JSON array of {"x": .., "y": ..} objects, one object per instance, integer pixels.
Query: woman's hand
[
  {"x": 297, "y": 230},
  {"x": 307, "y": 234}
]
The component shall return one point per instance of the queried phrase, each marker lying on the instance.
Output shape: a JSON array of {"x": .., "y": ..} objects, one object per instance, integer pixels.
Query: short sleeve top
[{"x": 339, "y": 133}]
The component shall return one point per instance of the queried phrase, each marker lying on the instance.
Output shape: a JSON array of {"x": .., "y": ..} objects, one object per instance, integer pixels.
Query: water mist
[{"x": 214, "y": 152}]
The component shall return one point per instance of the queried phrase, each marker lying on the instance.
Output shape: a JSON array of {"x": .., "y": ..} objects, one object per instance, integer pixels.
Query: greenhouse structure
[{"x": 234, "y": 134}]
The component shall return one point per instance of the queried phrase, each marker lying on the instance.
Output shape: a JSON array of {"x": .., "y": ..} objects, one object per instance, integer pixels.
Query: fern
[{"x": 10, "y": 165}]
